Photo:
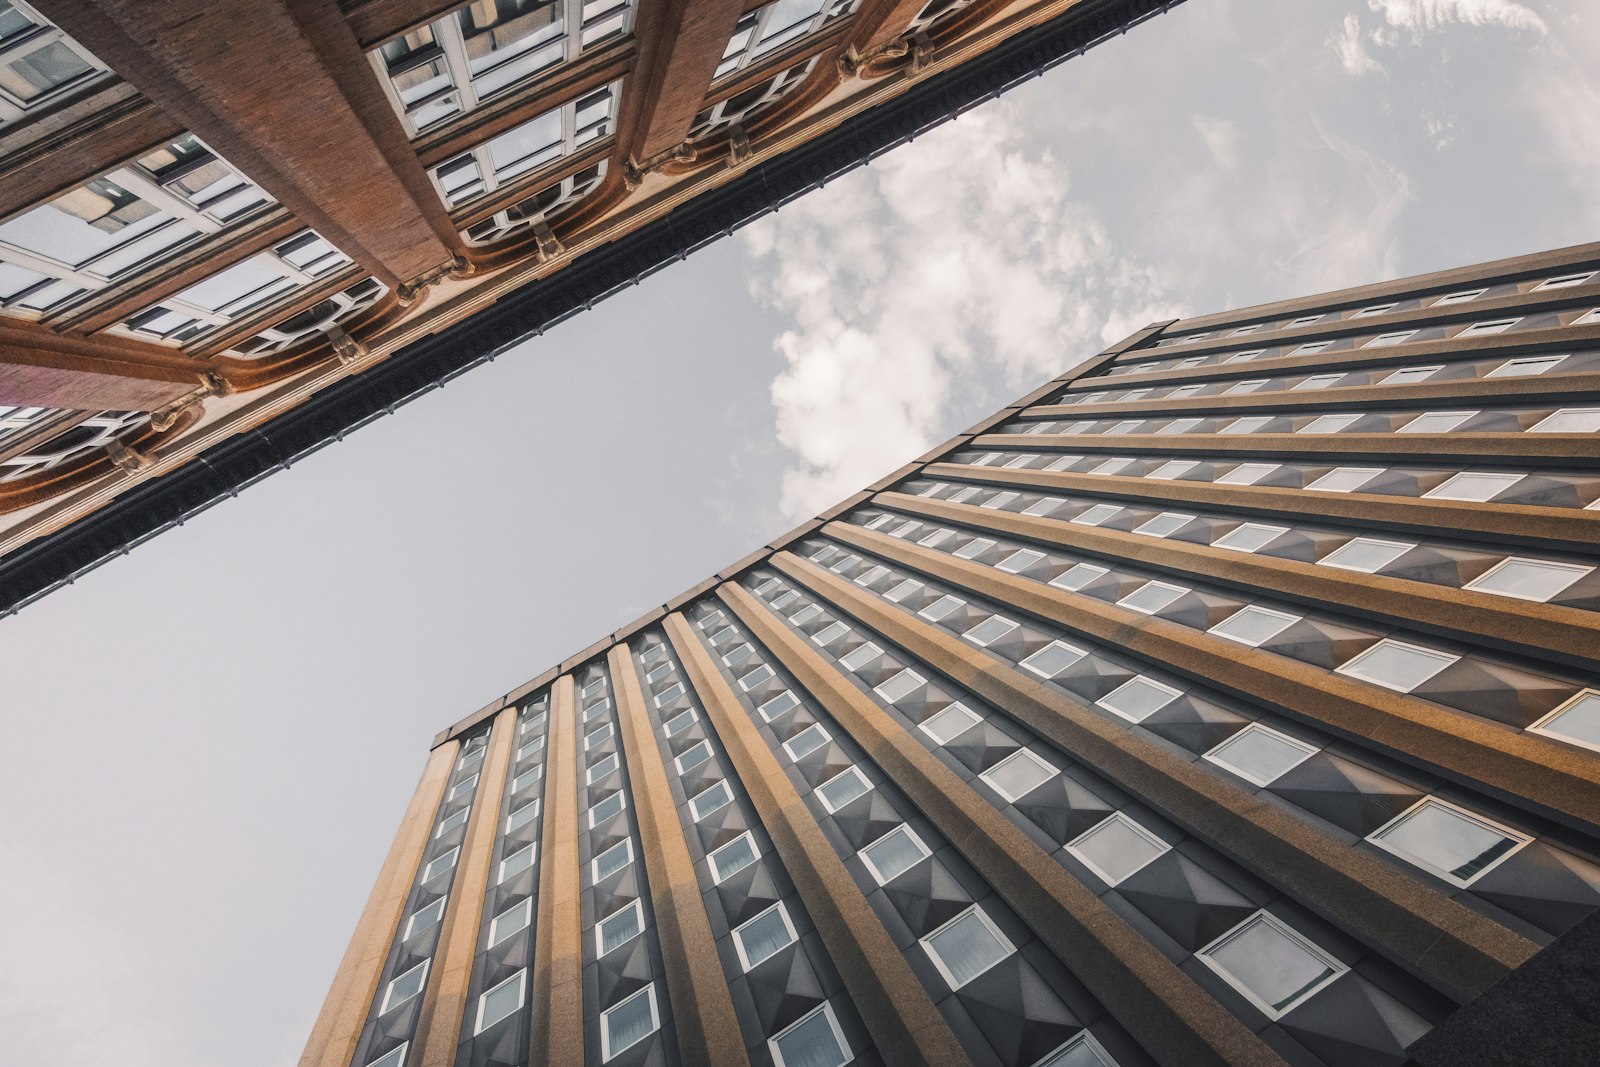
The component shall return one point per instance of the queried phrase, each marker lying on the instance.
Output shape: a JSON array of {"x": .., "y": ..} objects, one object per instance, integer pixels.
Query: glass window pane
[
  {"x": 510, "y": 922},
  {"x": 1152, "y": 597},
  {"x": 1247, "y": 473},
  {"x": 764, "y": 936},
  {"x": 1447, "y": 841},
  {"x": 1117, "y": 847},
  {"x": 814, "y": 1041},
  {"x": 1366, "y": 554},
  {"x": 1570, "y": 420},
  {"x": 967, "y": 946},
  {"x": 1253, "y": 625},
  {"x": 500, "y": 1002},
  {"x": 1528, "y": 579},
  {"x": 950, "y": 723},
  {"x": 1474, "y": 485},
  {"x": 842, "y": 788},
  {"x": 1053, "y": 658},
  {"x": 1250, "y": 537},
  {"x": 1577, "y": 721},
  {"x": 1273, "y": 965},
  {"x": 629, "y": 1022},
  {"x": 1259, "y": 754},
  {"x": 711, "y": 800},
  {"x": 621, "y": 927},
  {"x": 733, "y": 857},
  {"x": 1019, "y": 774},
  {"x": 1138, "y": 698},
  {"x": 1397, "y": 666},
  {"x": 894, "y": 853}
]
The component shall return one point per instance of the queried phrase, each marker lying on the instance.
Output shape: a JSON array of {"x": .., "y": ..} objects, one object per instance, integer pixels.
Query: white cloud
[
  {"x": 950, "y": 270},
  {"x": 1566, "y": 103},
  {"x": 1222, "y": 139},
  {"x": 1352, "y": 51},
  {"x": 1420, "y": 15}
]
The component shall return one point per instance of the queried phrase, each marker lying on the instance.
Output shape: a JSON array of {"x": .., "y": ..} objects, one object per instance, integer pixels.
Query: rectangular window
[
  {"x": 1528, "y": 579},
  {"x": 1569, "y": 420},
  {"x": 692, "y": 757},
  {"x": 759, "y": 939},
  {"x": 1398, "y": 666},
  {"x": 629, "y": 1022},
  {"x": 463, "y": 787},
  {"x": 805, "y": 614},
  {"x": 760, "y": 675},
  {"x": 451, "y": 821},
  {"x": 1078, "y": 576},
  {"x": 1096, "y": 515},
  {"x": 1407, "y": 375},
  {"x": 733, "y": 857},
  {"x": 946, "y": 725},
  {"x": 1318, "y": 381},
  {"x": 1044, "y": 506},
  {"x": 1174, "y": 468},
  {"x": 1247, "y": 473},
  {"x": 1020, "y": 561},
  {"x": 618, "y": 928},
  {"x": 990, "y": 630},
  {"x": 1366, "y": 554},
  {"x": 1564, "y": 281},
  {"x": 1312, "y": 347},
  {"x": 602, "y": 768},
  {"x": 1117, "y": 847},
  {"x": 404, "y": 987},
  {"x": 1126, "y": 426},
  {"x": 527, "y": 778},
  {"x": 1115, "y": 465},
  {"x": 1375, "y": 309},
  {"x": 1448, "y": 841},
  {"x": 668, "y": 695},
  {"x": 1062, "y": 463},
  {"x": 996, "y": 503},
  {"x": 713, "y": 799},
  {"x": 1245, "y": 357},
  {"x": 511, "y": 922},
  {"x": 1018, "y": 774},
  {"x": 598, "y": 737},
  {"x": 1082, "y": 1051},
  {"x": 1054, "y": 658},
  {"x": 1479, "y": 329},
  {"x": 1254, "y": 625},
  {"x": 966, "y": 947},
  {"x": 679, "y": 723},
  {"x": 861, "y": 656},
  {"x": 1245, "y": 387},
  {"x": 1152, "y": 597},
  {"x": 503, "y": 159},
  {"x": 899, "y": 686},
  {"x": 1274, "y": 966},
  {"x": 830, "y": 633},
  {"x": 1576, "y": 721},
  {"x": 1250, "y": 537},
  {"x": 1192, "y": 361},
  {"x": 842, "y": 788},
  {"x": 501, "y": 1002},
  {"x": 974, "y": 548},
  {"x": 612, "y": 860},
  {"x": 1138, "y": 698},
  {"x": 806, "y": 741},
  {"x": 781, "y": 704},
  {"x": 1261, "y": 754},
  {"x": 609, "y": 807},
  {"x": 1525, "y": 367},
  {"x": 439, "y": 864},
  {"x": 1246, "y": 425},
  {"x": 1165, "y": 524},
  {"x": 1178, "y": 426},
  {"x": 1345, "y": 479},
  {"x": 813, "y": 1041},
  {"x": 1388, "y": 340},
  {"x": 1436, "y": 422},
  {"x": 1459, "y": 298},
  {"x": 424, "y": 917},
  {"x": 522, "y": 816},
  {"x": 1330, "y": 423},
  {"x": 893, "y": 854},
  {"x": 1477, "y": 486},
  {"x": 516, "y": 863}
]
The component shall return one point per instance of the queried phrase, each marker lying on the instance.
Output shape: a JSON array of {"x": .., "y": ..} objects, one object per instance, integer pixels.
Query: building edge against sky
[{"x": 1231, "y": 698}]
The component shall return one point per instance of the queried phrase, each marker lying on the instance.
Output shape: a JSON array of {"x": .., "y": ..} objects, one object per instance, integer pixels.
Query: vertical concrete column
[{"x": 558, "y": 940}]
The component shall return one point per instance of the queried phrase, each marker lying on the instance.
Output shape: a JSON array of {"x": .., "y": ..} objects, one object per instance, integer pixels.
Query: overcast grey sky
[{"x": 208, "y": 744}]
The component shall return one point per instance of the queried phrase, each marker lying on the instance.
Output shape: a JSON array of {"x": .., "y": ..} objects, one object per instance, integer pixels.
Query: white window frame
[
  {"x": 745, "y": 963},
  {"x": 626, "y": 846},
  {"x": 594, "y": 772},
  {"x": 525, "y": 906},
  {"x": 826, "y": 1009},
  {"x": 1218, "y": 754},
  {"x": 1578, "y": 572},
  {"x": 634, "y": 907},
  {"x": 788, "y": 746},
  {"x": 1179, "y": 590},
  {"x": 717, "y": 877},
  {"x": 1075, "y": 846},
  {"x": 1543, "y": 728},
  {"x": 1350, "y": 668},
  {"x": 428, "y": 873},
  {"x": 532, "y": 852},
  {"x": 388, "y": 1003},
  {"x": 1337, "y": 966},
  {"x": 1404, "y": 546},
  {"x": 1144, "y": 680},
  {"x": 594, "y": 809},
  {"x": 851, "y": 770},
  {"x": 1512, "y": 368},
  {"x": 1437, "y": 492},
  {"x": 1280, "y": 531},
  {"x": 1022, "y": 755},
  {"x": 926, "y": 941},
  {"x": 694, "y": 801},
  {"x": 872, "y": 868},
  {"x": 1538, "y": 427},
  {"x": 787, "y": 694},
  {"x": 973, "y": 719},
  {"x": 521, "y": 978},
  {"x": 607, "y": 1053},
  {"x": 1255, "y": 609},
  {"x": 439, "y": 903},
  {"x": 1520, "y": 839}
]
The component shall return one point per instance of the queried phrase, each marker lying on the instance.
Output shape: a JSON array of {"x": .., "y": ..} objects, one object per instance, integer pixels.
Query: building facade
[
  {"x": 216, "y": 223},
  {"x": 1231, "y": 699}
]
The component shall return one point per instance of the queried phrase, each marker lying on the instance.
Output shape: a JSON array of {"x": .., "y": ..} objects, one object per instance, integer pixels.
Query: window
[
  {"x": 905, "y": 589},
  {"x": 466, "y": 785},
  {"x": 1569, "y": 420},
  {"x": 806, "y": 741},
  {"x": 607, "y": 808},
  {"x": 668, "y": 695},
  {"x": 990, "y": 630},
  {"x": 1247, "y": 473},
  {"x": 1407, "y": 375},
  {"x": 1254, "y": 625},
  {"x": 946, "y": 725},
  {"x": 526, "y": 779},
  {"x": 501, "y": 1001},
  {"x": 842, "y": 788},
  {"x": 1318, "y": 381},
  {"x": 994, "y": 503},
  {"x": 1082, "y": 1051},
  {"x": 1241, "y": 331},
  {"x": 679, "y": 723},
  {"x": 424, "y": 917},
  {"x": 1151, "y": 597},
  {"x": 1179, "y": 426},
  {"x": 764, "y": 936},
  {"x": 1577, "y": 721},
  {"x": 522, "y": 816},
  {"x": 781, "y": 704},
  {"x": 598, "y": 737},
  {"x": 733, "y": 857},
  {"x": 533, "y": 746},
  {"x": 1477, "y": 486},
  {"x": 1250, "y": 537},
  {"x": 967, "y": 946},
  {"x": 404, "y": 987},
  {"x": 517, "y": 862},
  {"x": 1171, "y": 469},
  {"x": 1245, "y": 357},
  {"x": 1528, "y": 579},
  {"x": 1436, "y": 421},
  {"x": 1053, "y": 658},
  {"x": 1096, "y": 515},
  {"x": 38, "y": 63},
  {"x": 1311, "y": 347},
  {"x": 451, "y": 821},
  {"x": 1112, "y": 466},
  {"x": 758, "y": 676},
  {"x": 1246, "y": 425},
  {"x": 511, "y": 922},
  {"x": 1366, "y": 554},
  {"x": 1564, "y": 281},
  {"x": 961, "y": 496},
  {"x": 713, "y": 799},
  {"x": 394, "y": 1058},
  {"x": 658, "y": 673},
  {"x": 813, "y": 1041},
  {"x": 1345, "y": 479},
  {"x": 1459, "y": 298},
  {"x": 612, "y": 860},
  {"x": 1020, "y": 561},
  {"x": 1452, "y": 843},
  {"x": 1330, "y": 423},
  {"x": 1386, "y": 340},
  {"x": 1020, "y": 460},
  {"x": 901, "y": 685},
  {"x": 1478, "y": 329},
  {"x": 1117, "y": 847},
  {"x": 1077, "y": 576},
  {"x": 766, "y": 29},
  {"x": 1183, "y": 391},
  {"x": 1375, "y": 309},
  {"x": 693, "y": 756},
  {"x": 1304, "y": 320},
  {"x": 805, "y": 614},
  {"x": 1245, "y": 387},
  {"x": 618, "y": 928},
  {"x": 1168, "y": 522},
  {"x": 1138, "y": 698},
  {"x": 936, "y": 538},
  {"x": 1018, "y": 774},
  {"x": 1397, "y": 666},
  {"x": 439, "y": 864},
  {"x": 602, "y": 768},
  {"x": 1525, "y": 367},
  {"x": 1275, "y": 967},
  {"x": 1260, "y": 754},
  {"x": 893, "y": 854},
  {"x": 861, "y": 656},
  {"x": 543, "y": 139},
  {"x": 1126, "y": 426},
  {"x": 626, "y": 1024}
]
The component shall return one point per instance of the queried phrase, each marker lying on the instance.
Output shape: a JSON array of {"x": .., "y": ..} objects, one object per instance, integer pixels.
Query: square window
[
  {"x": 1249, "y": 537},
  {"x": 511, "y": 922},
  {"x": 1454, "y": 844},
  {"x": 710, "y": 800},
  {"x": 609, "y": 807},
  {"x": 1138, "y": 698},
  {"x": 1082, "y": 1051},
  {"x": 527, "y": 778},
  {"x": 1478, "y": 486},
  {"x": 424, "y": 917},
  {"x": 782, "y": 703},
  {"x": 1179, "y": 426},
  {"x": 941, "y": 608},
  {"x": 733, "y": 857},
  {"x": 1164, "y": 524},
  {"x": 1275, "y": 967},
  {"x": 1564, "y": 281},
  {"x": 949, "y": 723},
  {"x": 759, "y": 939},
  {"x": 1171, "y": 469},
  {"x": 395, "y": 1058},
  {"x": 1478, "y": 329},
  {"x": 1043, "y": 506},
  {"x": 451, "y": 821},
  {"x": 1330, "y": 423},
  {"x": 618, "y": 928},
  {"x": 629, "y": 1022},
  {"x": 1020, "y": 561},
  {"x": 1114, "y": 465},
  {"x": 1318, "y": 381},
  {"x": 936, "y": 538},
  {"x": 1525, "y": 367},
  {"x": 517, "y": 862},
  {"x": 1459, "y": 298},
  {"x": 1018, "y": 774},
  {"x": 861, "y": 656},
  {"x": 404, "y": 987},
  {"x": 1254, "y": 625},
  {"x": 1407, "y": 375},
  {"x": 1097, "y": 514},
  {"x": 1117, "y": 847},
  {"x": 1077, "y": 576},
  {"x": 1246, "y": 425},
  {"x": 1528, "y": 579},
  {"x": 612, "y": 860},
  {"x": 843, "y": 787},
  {"x": 813, "y": 1041},
  {"x": 1247, "y": 473},
  {"x": 1386, "y": 340},
  {"x": 1436, "y": 422},
  {"x": 679, "y": 723},
  {"x": 1151, "y": 597},
  {"x": 1569, "y": 420},
  {"x": 893, "y": 854},
  {"x": 501, "y": 1001},
  {"x": 990, "y": 630},
  {"x": 1366, "y": 554},
  {"x": 974, "y": 548},
  {"x": 1245, "y": 387},
  {"x": 961, "y": 496},
  {"x": 1260, "y": 754},
  {"x": 966, "y": 947},
  {"x": 901, "y": 685},
  {"x": 1345, "y": 479},
  {"x": 693, "y": 756},
  {"x": 1577, "y": 721},
  {"x": 806, "y": 741},
  {"x": 903, "y": 590},
  {"x": 1397, "y": 666},
  {"x": 830, "y": 633},
  {"x": 439, "y": 864},
  {"x": 1053, "y": 658},
  {"x": 998, "y": 501}
]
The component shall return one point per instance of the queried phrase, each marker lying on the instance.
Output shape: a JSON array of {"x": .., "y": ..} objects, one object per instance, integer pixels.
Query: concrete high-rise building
[
  {"x": 230, "y": 233},
  {"x": 1231, "y": 699}
]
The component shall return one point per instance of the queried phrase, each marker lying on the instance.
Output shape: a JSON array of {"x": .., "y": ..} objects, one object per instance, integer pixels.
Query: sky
[{"x": 208, "y": 744}]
